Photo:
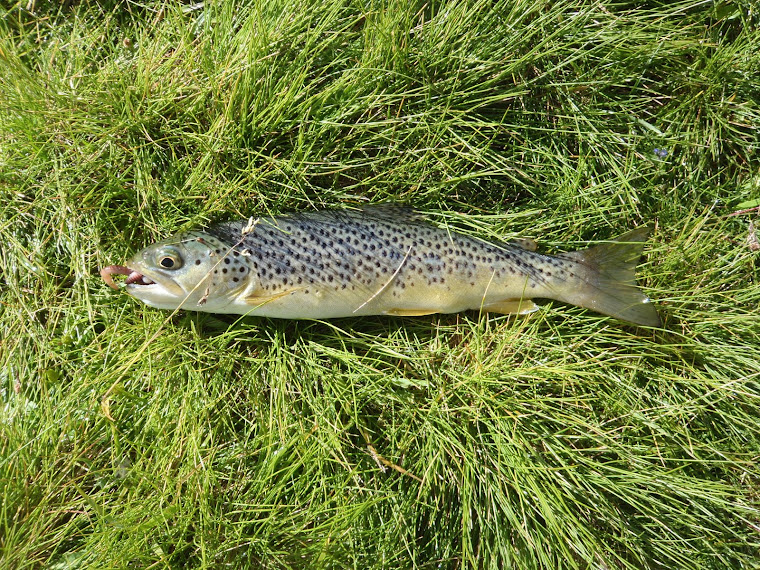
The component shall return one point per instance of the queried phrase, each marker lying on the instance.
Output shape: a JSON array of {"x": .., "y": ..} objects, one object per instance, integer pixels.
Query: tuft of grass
[{"x": 132, "y": 436}]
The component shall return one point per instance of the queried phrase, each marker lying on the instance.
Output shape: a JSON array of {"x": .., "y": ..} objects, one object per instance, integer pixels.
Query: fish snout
[{"x": 133, "y": 277}]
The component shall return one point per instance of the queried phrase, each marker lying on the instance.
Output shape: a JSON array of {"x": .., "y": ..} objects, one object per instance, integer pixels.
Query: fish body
[{"x": 377, "y": 260}]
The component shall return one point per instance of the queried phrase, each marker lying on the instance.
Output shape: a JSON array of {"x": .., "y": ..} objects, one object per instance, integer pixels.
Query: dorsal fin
[
  {"x": 388, "y": 212},
  {"x": 393, "y": 212},
  {"x": 524, "y": 243}
]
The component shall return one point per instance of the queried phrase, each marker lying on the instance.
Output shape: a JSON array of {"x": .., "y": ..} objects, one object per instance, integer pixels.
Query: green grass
[{"x": 135, "y": 437}]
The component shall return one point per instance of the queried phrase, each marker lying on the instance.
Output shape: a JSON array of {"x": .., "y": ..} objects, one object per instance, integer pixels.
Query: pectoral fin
[
  {"x": 512, "y": 307},
  {"x": 409, "y": 312},
  {"x": 258, "y": 300}
]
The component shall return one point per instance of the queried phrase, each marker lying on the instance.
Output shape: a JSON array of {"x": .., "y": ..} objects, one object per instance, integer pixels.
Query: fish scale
[
  {"x": 376, "y": 260},
  {"x": 352, "y": 248}
]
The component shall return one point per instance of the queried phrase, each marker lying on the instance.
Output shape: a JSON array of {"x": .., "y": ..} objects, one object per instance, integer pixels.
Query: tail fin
[{"x": 610, "y": 286}]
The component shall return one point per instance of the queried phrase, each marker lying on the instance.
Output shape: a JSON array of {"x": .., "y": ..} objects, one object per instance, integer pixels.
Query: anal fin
[
  {"x": 409, "y": 312},
  {"x": 512, "y": 307}
]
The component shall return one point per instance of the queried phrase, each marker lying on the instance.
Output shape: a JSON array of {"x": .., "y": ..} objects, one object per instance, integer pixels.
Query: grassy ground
[{"x": 131, "y": 436}]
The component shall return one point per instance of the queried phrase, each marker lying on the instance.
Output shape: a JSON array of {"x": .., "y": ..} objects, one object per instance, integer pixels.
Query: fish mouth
[
  {"x": 134, "y": 277},
  {"x": 152, "y": 287}
]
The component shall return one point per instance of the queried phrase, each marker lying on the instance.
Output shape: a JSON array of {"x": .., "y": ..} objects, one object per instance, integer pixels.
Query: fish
[{"x": 377, "y": 260}]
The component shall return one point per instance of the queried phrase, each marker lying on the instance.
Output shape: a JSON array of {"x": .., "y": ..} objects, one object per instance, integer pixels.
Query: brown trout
[{"x": 377, "y": 260}]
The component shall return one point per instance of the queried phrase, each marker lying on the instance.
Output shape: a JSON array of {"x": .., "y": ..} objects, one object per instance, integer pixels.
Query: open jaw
[{"x": 133, "y": 277}]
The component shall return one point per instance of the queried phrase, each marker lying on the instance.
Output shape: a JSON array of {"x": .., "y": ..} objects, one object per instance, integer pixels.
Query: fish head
[{"x": 193, "y": 271}]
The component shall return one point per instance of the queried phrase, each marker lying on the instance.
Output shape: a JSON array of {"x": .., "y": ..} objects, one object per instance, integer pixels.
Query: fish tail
[{"x": 609, "y": 282}]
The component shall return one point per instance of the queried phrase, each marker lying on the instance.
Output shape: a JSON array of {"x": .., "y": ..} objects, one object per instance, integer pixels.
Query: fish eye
[{"x": 169, "y": 260}]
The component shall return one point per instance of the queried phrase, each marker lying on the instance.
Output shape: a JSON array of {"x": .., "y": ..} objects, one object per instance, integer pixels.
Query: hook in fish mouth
[{"x": 133, "y": 277}]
